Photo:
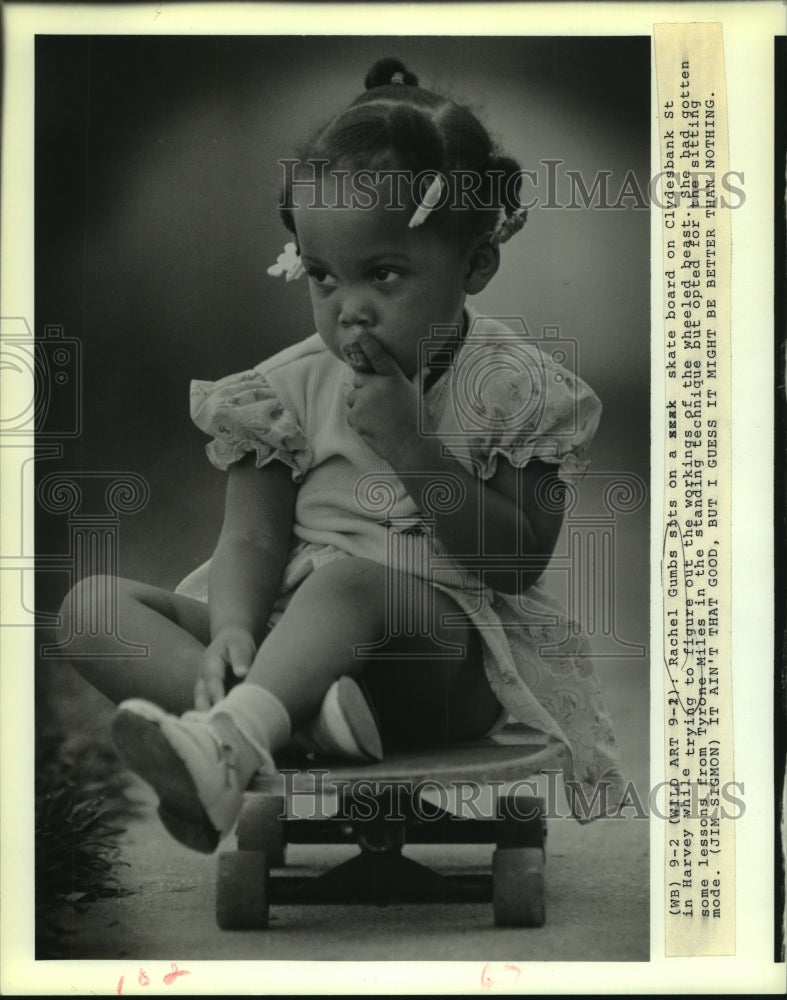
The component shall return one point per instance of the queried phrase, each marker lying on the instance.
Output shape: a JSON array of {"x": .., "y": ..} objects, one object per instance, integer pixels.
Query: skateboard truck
[{"x": 381, "y": 837}]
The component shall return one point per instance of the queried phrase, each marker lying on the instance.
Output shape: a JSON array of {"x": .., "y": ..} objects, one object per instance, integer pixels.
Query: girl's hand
[
  {"x": 233, "y": 646},
  {"x": 384, "y": 404}
]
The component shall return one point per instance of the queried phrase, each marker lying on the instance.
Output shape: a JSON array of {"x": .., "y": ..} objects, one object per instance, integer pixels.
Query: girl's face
[{"x": 367, "y": 269}]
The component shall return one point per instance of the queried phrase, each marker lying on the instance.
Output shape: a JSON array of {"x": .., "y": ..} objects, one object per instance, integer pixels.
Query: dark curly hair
[{"x": 397, "y": 125}]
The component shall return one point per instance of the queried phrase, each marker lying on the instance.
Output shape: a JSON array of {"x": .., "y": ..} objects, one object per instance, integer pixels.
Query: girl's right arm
[{"x": 246, "y": 570}]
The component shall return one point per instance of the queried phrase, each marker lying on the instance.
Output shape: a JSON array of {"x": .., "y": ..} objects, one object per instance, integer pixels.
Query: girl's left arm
[{"x": 504, "y": 519}]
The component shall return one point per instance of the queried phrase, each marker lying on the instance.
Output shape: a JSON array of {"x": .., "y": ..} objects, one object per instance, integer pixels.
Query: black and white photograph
[
  {"x": 348, "y": 447},
  {"x": 344, "y": 472}
]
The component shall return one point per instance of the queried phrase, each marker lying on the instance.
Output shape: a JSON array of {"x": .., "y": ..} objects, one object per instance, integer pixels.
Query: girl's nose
[{"x": 355, "y": 309}]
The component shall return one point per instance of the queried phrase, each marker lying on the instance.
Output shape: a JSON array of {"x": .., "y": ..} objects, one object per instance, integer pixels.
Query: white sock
[{"x": 259, "y": 716}]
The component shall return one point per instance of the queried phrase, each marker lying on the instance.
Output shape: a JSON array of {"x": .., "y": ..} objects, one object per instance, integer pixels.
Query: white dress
[{"x": 502, "y": 397}]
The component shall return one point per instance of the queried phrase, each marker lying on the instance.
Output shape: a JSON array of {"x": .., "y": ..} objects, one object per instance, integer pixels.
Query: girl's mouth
[
  {"x": 353, "y": 352},
  {"x": 355, "y": 357}
]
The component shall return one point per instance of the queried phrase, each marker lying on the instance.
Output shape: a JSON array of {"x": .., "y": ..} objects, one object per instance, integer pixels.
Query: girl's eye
[
  {"x": 385, "y": 275},
  {"x": 321, "y": 277}
]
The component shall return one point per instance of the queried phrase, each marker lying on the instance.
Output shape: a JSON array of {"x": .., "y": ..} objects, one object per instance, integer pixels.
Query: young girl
[{"x": 393, "y": 494}]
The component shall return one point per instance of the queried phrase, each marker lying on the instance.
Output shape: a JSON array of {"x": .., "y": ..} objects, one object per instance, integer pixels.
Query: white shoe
[
  {"x": 345, "y": 726},
  {"x": 192, "y": 770}
]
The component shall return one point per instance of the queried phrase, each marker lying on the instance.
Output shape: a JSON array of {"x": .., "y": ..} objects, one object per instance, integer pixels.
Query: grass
[{"x": 80, "y": 811}]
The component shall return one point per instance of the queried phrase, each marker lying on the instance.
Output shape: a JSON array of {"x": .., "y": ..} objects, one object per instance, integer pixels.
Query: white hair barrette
[
  {"x": 430, "y": 201},
  {"x": 288, "y": 263},
  {"x": 507, "y": 225}
]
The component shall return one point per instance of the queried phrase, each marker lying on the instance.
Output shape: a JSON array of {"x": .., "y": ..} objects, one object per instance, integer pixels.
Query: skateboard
[{"x": 382, "y": 807}]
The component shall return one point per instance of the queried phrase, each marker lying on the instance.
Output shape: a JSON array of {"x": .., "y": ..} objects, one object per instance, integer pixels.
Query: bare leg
[
  {"x": 199, "y": 767},
  {"x": 173, "y": 627},
  {"x": 340, "y": 606},
  {"x": 343, "y": 605}
]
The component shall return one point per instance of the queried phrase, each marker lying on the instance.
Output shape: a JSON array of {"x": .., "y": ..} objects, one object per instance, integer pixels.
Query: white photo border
[{"x": 749, "y": 31}]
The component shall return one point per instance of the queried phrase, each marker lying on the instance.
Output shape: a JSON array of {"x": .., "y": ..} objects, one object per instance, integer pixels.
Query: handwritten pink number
[
  {"x": 515, "y": 969},
  {"x": 486, "y": 979},
  {"x": 120, "y": 984},
  {"x": 170, "y": 977},
  {"x": 142, "y": 978}
]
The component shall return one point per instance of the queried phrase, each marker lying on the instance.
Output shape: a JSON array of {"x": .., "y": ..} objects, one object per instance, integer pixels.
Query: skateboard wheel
[
  {"x": 261, "y": 829},
  {"x": 242, "y": 891},
  {"x": 518, "y": 887}
]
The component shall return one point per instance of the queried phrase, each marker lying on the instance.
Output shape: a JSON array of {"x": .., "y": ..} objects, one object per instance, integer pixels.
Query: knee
[
  {"x": 90, "y": 602},
  {"x": 86, "y": 593}
]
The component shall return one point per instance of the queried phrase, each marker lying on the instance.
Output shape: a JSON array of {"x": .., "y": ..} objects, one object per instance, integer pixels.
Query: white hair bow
[{"x": 288, "y": 263}]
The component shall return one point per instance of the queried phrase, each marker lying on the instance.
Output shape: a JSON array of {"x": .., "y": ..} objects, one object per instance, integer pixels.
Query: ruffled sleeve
[
  {"x": 526, "y": 406},
  {"x": 243, "y": 415}
]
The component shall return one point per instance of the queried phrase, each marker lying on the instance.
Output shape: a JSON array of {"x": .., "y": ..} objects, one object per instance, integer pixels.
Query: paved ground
[
  {"x": 597, "y": 896},
  {"x": 592, "y": 911}
]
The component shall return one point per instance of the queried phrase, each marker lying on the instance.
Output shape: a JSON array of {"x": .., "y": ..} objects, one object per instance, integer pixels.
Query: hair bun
[
  {"x": 381, "y": 74},
  {"x": 508, "y": 168}
]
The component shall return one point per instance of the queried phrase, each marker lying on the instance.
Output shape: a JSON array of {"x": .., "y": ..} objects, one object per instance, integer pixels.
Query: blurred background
[{"x": 156, "y": 193}]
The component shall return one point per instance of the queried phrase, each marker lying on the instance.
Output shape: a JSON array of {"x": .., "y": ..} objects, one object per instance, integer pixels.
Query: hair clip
[
  {"x": 430, "y": 202},
  {"x": 508, "y": 226},
  {"x": 397, "y": 78},
  {"x": 288, "y": 263}
]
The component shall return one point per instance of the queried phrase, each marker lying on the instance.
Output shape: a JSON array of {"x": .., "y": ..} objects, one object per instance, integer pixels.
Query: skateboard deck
[
  {"x": 382, "y": 807},
  {"x": 514, "y": 752}
]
